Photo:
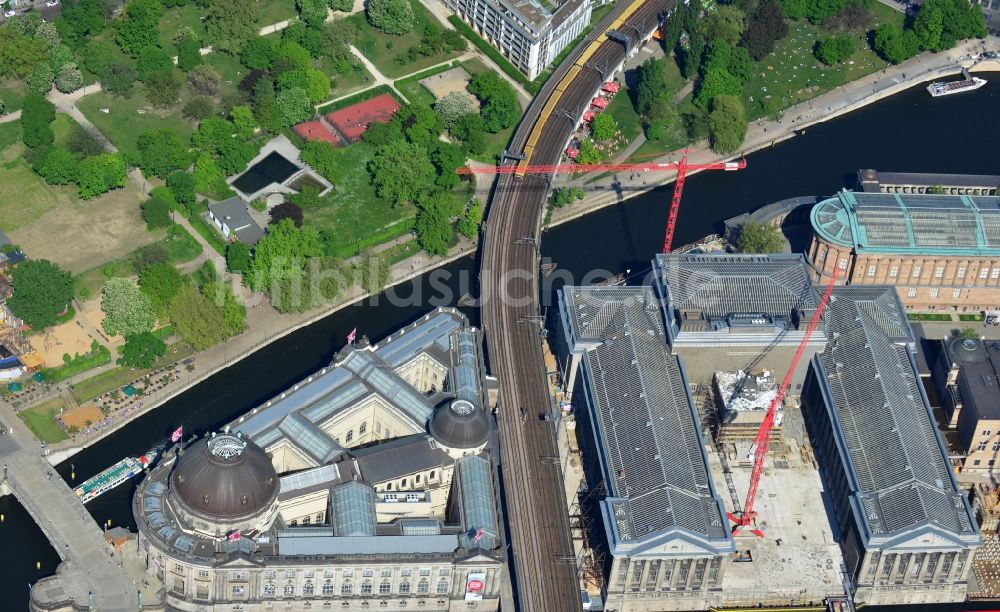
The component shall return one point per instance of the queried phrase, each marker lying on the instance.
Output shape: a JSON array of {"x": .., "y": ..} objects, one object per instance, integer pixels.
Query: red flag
[
  {"x": 234, "y": 536},
  {"x": 479, "y": 536},
  {"x": 351, "y": 336},
  {"x": 178, "y": 433}
]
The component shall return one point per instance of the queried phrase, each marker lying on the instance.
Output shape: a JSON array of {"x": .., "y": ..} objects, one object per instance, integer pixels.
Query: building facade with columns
[
  {"x": 908, "y": 533},
  {"x": 941, "y": 252},
  {"x": 367, "y": 485}
]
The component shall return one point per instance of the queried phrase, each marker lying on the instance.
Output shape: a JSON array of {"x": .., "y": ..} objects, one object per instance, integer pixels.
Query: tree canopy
[
  {"x": 760, "y": 238},
  {"x": 603, "y": 127},
  {"x": 141, "y": 350},
  {"x": 196, "y": 318},
  {"x": 42, "y": 290},
  {"x": 127, "y": 310},
  {"x": 100, "y": 174},
  {"x": 727, "y": 124},
  {"x": 433, "y": 225},
  {"x": 229, "y": 24},
  {"x": 401, "y": 172},
  {"x": 37, "y": 115},
  {"x": 160, "y": 282},
  {"x": 764, "y": 28},
  {"x": 284, "y": 246},
  {"x": 161, "y": 152},
  {"x": 498, "y": 101},
  {"x": 391, "y": 16},
  {"x": 156, "y": 210},
  {"x": 835, "y": 49},
  {"x": 237, "y": 257}
]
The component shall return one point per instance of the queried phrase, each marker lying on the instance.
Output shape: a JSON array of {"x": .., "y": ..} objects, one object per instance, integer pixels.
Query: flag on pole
[
  {"x": 234, "y": 536},
  {"x": 351, "y": 336},
  {"x": 479, "y": 536},
  {"x": 178, "y": 433}
]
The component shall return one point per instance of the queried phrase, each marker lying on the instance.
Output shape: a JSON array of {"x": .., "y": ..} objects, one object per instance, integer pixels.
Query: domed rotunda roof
[
  {"x": 460, "y": 424},
  {"x": 967, "y": 350},
  {"x": 225, "y": 476}
]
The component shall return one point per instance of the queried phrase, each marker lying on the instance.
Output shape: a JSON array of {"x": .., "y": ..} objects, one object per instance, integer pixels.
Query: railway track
[{"x": 545, "y": 572}]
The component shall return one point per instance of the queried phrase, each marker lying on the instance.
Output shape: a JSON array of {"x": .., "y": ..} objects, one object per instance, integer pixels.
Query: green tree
[
  {"x": 835, "y": 49},
  {"x": 203, "y": 80},
  {"x": 374, "y": 271},
  {"x": 470, "y": 130},
  {"x": 317, "y": 85},
  {"x": 156, "y": 212},
  {"x": 208, "y": 177},
  {"x": 433, "y": 226},
  {"x": 100, "y": 174},
  {"x": 141, "y": 350},
  {"x": 692, "y": 54},
  {"x": 652, "y": 84},
  {"x": 126, "y": 309},
  {"x": 760, "y": 238},
  {"x": 160, "y": 282},
  {"x": 97, "y": 56},
  {"x": 454, "y": 105},
  {"x": 37, "y": 114},
  {"x": 818, "y": 11},
  {"x": 40, "y": 79},
  {"x": 725, "y": 23},
  {"x": 243, "y": 121},
  {"x": 198, "y": 321},
  {"x": 401, "y": 172},
  {"x": 313, "y": 12},
  {"x": 69, "y": 78},
  {"x": 198, "y": 108},
  {"x": 42, "y": 291},
  {"x": 794, "y": 9},
  {"x": 235, "y": 154},
  {"x": 661, "y": 119},
  {"x": 764, "y": 28},
  {"x": 161, "y": 152},
  {"x": 60, "y": 56},
  {"x": 163, "y": 89},
  {"x": 969, "y": 334},
  {"x": 119, "y": 79},
  {"x": 19, "y": 53},
  {"x": 727, "y": 124},
  {"x": 152, "y": 61},
  {"x": 294, "y": 106},
  {"x": 928, "y": 26},
  {"x": 391, "y": 16},
  {"x": 135, "y": 29},
  {"x": 468, "y": 224},
  {"x": 284, "y": 247},
  {"x": 716, "y": 82},
  {"x": 229, "y": 24},
  {"x": 181, "y": 185},
  {"x": 212, "y": 133},
  {"x": 588, "y": 153},
  {"x": 343, "y": 6},
  {"x": 188, "y": 53},
  {"x": 498, "y": 101},
  {"x": 603, "y": 127},
  {"x": 237, "y": 257},
  {"x": 889, "y": 43},
  {"x": 258, "y": 53},
  {"x": 447, "y": 159},
  {"x": 57, "y": 166}
]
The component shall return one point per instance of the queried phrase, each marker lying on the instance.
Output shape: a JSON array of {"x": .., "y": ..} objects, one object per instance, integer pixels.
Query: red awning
[
  {"x": 571, "y": 152},
  {"x": 587, "y": 116},
  {"x": 599, "y": 102},
  {"x": 611, "y": 86}
]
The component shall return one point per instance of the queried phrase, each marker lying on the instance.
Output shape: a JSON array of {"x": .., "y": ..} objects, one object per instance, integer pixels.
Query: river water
[{"x": 908, "y": 132}]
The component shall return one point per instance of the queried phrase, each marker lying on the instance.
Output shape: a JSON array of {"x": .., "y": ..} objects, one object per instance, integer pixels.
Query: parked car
[
  {"x": 51, "y": 2},
  {"x": 8, "y": 13}
]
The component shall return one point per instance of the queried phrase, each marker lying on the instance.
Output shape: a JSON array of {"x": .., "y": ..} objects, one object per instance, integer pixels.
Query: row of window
[
  {"x": 985, "y": 272},
  {"x": 307, "y": 520},
  {"x": 935, "y": 292},
  {"x": 349, "y": 573},
  {"x": 367, "y": 587}
]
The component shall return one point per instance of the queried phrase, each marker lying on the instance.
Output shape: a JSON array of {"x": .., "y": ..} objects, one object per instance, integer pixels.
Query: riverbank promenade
[
  {"x": 88, "y": 574},
  {"x": 614, "y": 188}
]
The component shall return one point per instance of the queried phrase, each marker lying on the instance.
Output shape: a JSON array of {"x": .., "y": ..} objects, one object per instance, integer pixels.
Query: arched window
[
  {"x": 404, "y": 588},
  {"x": 423, "y": 587},
  {"x": 442, "y": 586},
  {"x": 269, "y": 590},
  {"x": 347, "y": 588},
  {"x": 384, "y": 588},
  {"x": 349, "y": 436},
  {"x": 328, "y": 589},
  {"x": 366, "y": 587},
  {"x": 362, "y": 428},
  {"x": 308, "y": 589},
  {"x": 289, "y": 589}
]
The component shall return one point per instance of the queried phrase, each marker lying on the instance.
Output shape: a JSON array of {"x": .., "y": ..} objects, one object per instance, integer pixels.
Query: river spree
[{"x": 909, "y": 132}]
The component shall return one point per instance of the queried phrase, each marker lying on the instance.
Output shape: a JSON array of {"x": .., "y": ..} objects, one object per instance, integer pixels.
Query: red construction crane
[
  {"x": 763, "y": 439},
  {"x": 681, "y": 166}
]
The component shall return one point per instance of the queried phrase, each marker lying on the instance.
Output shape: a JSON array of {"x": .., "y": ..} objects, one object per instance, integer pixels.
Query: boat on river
[
  {"x": 113, "y": 476},
  {"x": 946, "y": 88}
]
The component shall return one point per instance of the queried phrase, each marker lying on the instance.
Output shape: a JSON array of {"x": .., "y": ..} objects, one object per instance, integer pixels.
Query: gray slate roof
[
  {"x": 650, "y": 445},
  {"x": 897, "y": 465},
  {"x": 234, "y": 213},
  {"x": 399, "y": 457}
]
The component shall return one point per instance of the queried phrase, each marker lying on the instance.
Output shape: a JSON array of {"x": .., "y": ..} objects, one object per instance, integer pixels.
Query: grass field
[
  {"x": 383, "y": 49},
  {"x": 10, "y": 133},
  {"x": 62, "y": 127},
  {"x": 271, "y": 11},
  {"x": 970, "y": 317},
  {"x": 115, "y": 378},
  {"x": 181, "y": 249},
  {"x": 12, "y": 94},
  {"x": 24, "y": 197},
  {"x": 124, "y": 123},
  {"x": 792, "y": 74},
  {"x": 40, "y": 420}
]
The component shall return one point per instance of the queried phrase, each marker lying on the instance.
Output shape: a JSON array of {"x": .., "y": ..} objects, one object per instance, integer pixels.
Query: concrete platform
[{"x": 799, "y": 554}]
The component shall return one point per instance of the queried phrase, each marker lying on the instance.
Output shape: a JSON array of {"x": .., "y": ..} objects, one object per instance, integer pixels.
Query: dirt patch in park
[
  {"x": 81, "y": 417},
  {"x": 57, "y": 341},
  {"x": 79, "y": 235},
  {"x": 440, "y": 85}
]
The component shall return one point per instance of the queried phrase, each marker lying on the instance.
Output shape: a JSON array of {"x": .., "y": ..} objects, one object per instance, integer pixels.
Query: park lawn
[
  {"x": 118, "y": 377},
  {"x": 41, "y": 421},
  {"x": 177, "y": 17},
  {"x": 273, "y": 11},
  {"x": 792, "y": 74},
  {"x": 24, "y": 196},
  {"x": 12, "y": 94},
  {"x": 229, "y": 68},
  {"x": 345, "y": 84},
  {"x": 925, "y": 316},
  {"x": 124, "y": 123},
  {"x": 382, "y": 49},
  {"x": 970, "y": 317},
  {"x": 10, "y": 134},
  {"x": 179, "y": 250},
  {"x": 62, "y": 127},
  {"x": 397, "y": 253}
]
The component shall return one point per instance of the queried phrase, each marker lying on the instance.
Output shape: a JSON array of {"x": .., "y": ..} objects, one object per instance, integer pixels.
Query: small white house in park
[{"x": 233, "y": 219}]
